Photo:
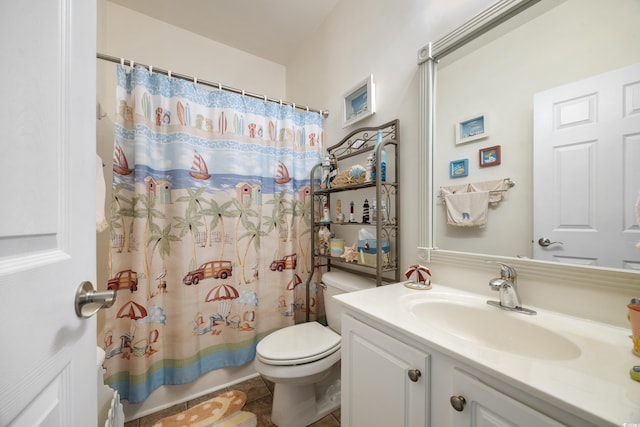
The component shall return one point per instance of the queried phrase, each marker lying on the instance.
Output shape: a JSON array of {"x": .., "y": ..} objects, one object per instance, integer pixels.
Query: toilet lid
[{"x": 294, "y": 345}]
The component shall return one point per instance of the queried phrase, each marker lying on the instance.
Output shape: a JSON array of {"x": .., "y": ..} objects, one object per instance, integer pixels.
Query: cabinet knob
[
  {"x": 458, "y": 403},
  {"x": 414, "y": 375}
]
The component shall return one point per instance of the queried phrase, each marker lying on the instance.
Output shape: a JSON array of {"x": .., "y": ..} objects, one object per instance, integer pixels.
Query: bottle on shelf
[
  {"x": 339, "y": 214},
  {"x": 383, "y": 160},
  {"x": 352, "y": 217},
  {"x": 373, "y": 211},
  {"x": 383, "y": 212}
]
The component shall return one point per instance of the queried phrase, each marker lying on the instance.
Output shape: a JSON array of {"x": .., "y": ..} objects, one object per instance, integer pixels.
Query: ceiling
[{"x": 270, "y": 29}]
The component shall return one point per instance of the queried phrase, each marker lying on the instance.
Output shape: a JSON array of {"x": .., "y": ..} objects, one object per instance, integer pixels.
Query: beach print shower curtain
[{"x": 210, "y": 229}]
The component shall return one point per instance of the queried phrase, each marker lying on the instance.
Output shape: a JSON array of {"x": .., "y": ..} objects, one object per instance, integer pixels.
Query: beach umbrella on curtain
[
  {"x": 224, "y": 295},
  {"x": 133, "y": 311},
  {"x": 418, "y": 274},
  {"x": 294, "y": 282}
]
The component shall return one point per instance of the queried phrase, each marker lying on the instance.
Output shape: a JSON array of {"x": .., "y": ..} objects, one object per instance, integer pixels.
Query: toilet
[{"x": 303, "y": 360}]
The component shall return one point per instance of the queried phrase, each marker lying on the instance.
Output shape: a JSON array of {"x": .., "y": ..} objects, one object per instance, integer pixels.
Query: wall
[
  {"x": 130, "y": 35},
  {"x": 382, "y": 38}
]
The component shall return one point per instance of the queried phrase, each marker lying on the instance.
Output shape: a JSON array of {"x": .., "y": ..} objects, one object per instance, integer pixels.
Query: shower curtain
[{"x": 210, "y": 229}]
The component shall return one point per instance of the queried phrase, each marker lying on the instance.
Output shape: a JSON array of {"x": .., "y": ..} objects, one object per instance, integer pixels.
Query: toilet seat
[{"x": 298, "y": 344}]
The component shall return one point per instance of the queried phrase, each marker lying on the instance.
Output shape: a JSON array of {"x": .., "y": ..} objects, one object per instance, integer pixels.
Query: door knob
[
  {"x": 414, "y": 375},
  {"x": 544, "y": 242},
  {"x": 88, "y": 301},
  {"x": 458, "y": 402}
]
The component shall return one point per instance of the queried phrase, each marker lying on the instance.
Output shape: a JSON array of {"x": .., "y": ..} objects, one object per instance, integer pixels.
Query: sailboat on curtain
[
  {"x": 282, "y": 174},
  {"x": 120, "y": 164},
  {"x": 199, "y": 168}
]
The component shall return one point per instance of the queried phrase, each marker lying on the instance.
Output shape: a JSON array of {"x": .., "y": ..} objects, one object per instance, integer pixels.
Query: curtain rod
[{"x": 323, "y": 113}]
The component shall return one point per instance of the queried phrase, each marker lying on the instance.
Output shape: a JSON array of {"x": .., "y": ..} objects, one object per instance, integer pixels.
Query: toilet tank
[{"x": 340, "y": 282}]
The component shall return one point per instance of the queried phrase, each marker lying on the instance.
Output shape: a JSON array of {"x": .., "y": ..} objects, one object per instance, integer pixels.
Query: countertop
[{"x": 594, "y": 385}]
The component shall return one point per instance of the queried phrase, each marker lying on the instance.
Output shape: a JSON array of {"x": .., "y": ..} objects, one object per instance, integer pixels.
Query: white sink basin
[{"x": 488, "y": 326}]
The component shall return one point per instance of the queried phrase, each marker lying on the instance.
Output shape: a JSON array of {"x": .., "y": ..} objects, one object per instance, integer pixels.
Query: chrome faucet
[{"x": 506, "y": 285}]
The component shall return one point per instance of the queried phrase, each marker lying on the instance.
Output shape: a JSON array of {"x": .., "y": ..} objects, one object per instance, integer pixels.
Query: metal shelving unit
[{"x": 354, "y": 148}]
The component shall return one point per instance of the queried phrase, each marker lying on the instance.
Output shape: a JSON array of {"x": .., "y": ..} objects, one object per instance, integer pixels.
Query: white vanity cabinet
[
  {"x": 385, "y": 382},
  {"x": 379, "y": 366},
  {"x": 476, "y": 404}
]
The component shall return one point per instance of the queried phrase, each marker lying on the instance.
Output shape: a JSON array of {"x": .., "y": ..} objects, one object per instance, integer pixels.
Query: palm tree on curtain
[
  {"x": 303, "y": 212},
  {"x": 243, "y": 212},
  {"x": 189, "y": 223},
  {"x": 118, "y": 213},
  {"x": 149, "y": 213},
  {"x": 277, "y": 219},
  {"x": 161, "y": 239},
  {"x": 193, "y": 199},
  {"x": 218, "y": 213},
  {"x": 282, "y": 206},
  {"x": 254, "y": 233}
]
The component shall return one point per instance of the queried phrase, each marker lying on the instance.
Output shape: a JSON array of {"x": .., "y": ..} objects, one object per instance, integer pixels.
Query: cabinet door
[
  {"x": 487, "y": 407},
  {"x": 376, "y": 386}
]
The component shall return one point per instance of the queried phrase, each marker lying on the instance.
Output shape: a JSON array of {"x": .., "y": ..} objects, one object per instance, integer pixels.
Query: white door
[
  {"x": 586, "y": 174},
  {"x": 47, "y": 219}
]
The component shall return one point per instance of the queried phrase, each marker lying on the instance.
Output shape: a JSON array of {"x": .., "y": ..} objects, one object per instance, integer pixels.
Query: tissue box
[{"x": 368, "y": 256}]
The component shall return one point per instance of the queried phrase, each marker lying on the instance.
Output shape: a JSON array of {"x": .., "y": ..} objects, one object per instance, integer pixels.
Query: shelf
[
  {"x": 353, "y": 187},
  {"x": 354, "y": 148},
  {"x": 333, "y": 259},
  {"x": 389, "y": 225}
]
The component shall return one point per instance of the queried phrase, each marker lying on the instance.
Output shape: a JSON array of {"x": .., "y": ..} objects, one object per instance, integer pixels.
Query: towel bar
[{"x": 508, "y": 182}]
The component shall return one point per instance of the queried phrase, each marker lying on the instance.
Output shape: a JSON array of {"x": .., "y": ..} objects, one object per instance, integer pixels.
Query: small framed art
[
  {"x": 472, "y": 128},
  {"x": 359, "y": 102},
  {"x": 459, "y": 168},
  {"x": 489, "y": 156}
]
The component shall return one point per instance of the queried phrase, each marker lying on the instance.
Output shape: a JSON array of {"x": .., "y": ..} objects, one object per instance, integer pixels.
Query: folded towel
[
  {"x": 455, "y": 189},
  {"x": 467, "y": 209},
  {"x": 496, "y": 187}
]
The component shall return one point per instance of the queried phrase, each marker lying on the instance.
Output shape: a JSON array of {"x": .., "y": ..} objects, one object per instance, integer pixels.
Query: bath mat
[{"x": 221, "y": 411}]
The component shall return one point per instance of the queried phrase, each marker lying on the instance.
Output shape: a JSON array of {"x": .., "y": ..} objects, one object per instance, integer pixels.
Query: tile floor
[{"x": 259, "y": 394}]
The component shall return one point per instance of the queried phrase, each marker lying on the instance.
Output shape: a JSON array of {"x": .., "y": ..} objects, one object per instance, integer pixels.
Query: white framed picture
[
  {"x": 472, "y": 128},
  {"x": 359, "y": 102}
]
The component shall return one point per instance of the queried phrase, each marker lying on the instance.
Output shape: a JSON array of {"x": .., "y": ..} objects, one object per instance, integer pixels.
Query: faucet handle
[{"x": 507, "y": 272}]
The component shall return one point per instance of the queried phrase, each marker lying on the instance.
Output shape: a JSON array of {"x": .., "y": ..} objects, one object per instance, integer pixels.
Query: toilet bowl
[{"x": 303, "y": 360}]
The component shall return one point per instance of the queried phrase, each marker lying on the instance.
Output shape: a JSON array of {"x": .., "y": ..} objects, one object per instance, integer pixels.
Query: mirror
[{"x": 492, "y": 79}]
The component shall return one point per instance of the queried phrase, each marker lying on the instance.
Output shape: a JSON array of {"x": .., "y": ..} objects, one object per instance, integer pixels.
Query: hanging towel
[
  {"x": 496, "y": 187},
  {"x": 467, "y": 209},
  {"x": 455, "y": 189},
  {"x": 101, "y": 222}
]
